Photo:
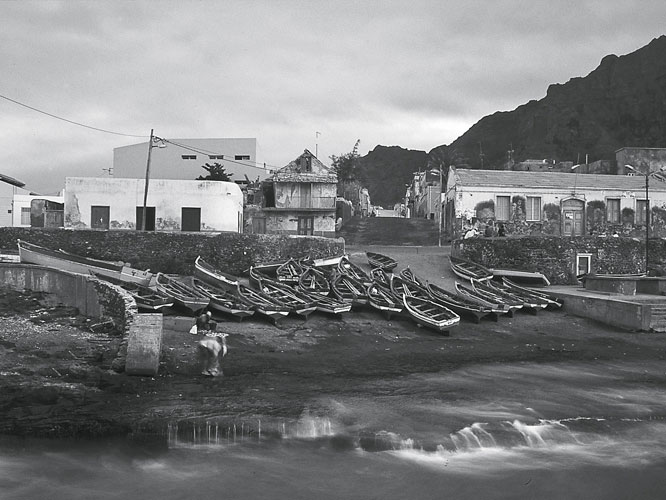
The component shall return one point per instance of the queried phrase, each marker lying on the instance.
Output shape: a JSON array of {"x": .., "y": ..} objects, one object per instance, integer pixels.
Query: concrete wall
[
  {"x": 286, "y": 222},
  {"x": 643, "y": 159},
  {"x": 221, "y": 203},
  {"x": 167, "y": 163}
]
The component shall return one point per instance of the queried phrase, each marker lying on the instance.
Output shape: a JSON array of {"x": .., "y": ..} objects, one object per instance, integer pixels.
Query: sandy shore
[{"x": 56, "y": 377}]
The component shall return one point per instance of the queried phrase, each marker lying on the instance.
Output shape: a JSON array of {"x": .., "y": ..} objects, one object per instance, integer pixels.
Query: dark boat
[
  {"x": 553, "y": 302},
  {"x": 210, "y": 274},
  {"x": 347, "y": 267},
  {"x": 378, "y": 260},
  {"x": 461, "y": 306},
  {"x": 430, "y": 314},
  {"x": 223, "y": 300},
  {"x": 468, "y": 270},
  {"x": 468, "y": 292},
  {"x": 401, "y": 286},
  {"x": 313, "y": 280},
  {"x": 287, "y": 296},
  {"x": 409, "y": 275},
  {"x": 482, "y": 289},
  {"x": 59, "y": 259},
  {"x": 261, "y": 303},
  {"x": 381, "y": 277},
  {"x": 530, "y": 303},
  {"x": 289, "y": 272},
  {"x": 383, "y": 300},
  {"x": 182, "y": 294},
  {"x": 146, "y": 298},
  {"x": 348, "y": 289},
  {"x": 256, "y": 275},
  {"x": 325, "y": 304}
]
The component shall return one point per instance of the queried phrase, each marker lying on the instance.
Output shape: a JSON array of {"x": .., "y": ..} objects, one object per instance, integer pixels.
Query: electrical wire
[{"x": 70, "y": 121}]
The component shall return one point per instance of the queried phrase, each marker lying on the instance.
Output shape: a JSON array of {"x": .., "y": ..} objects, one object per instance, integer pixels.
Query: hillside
[
  {"x": 386, "y": 170},
  {"x": 621, "y": 103}
]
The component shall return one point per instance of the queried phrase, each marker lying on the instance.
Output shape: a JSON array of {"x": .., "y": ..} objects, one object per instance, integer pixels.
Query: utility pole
[
  {"x": 145, "y": 191},
  {"x": 439, "y": 202}
]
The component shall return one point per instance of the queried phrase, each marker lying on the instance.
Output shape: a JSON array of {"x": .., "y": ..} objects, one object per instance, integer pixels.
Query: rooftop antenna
[{"x": 317, "y": 134}]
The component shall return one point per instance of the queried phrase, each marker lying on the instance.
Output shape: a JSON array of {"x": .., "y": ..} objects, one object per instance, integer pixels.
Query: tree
[
  {"x": 216, "y": 172},
  {"x": 350, "y": 175}
]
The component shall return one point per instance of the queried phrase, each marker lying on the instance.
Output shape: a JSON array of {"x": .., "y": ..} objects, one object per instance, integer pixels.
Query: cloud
[{"x": 415, "y": 74}]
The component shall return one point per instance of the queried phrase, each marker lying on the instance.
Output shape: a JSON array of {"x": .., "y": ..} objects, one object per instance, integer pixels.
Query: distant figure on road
[
  {"x": 209, "y": 354},
  {"x": 501, "y": 231}
]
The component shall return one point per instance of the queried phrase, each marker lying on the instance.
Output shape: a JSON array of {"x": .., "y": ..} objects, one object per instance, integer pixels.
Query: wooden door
[
  {"x": 306, "y": 225},
  {"x": 573, "y": 218},
  {"x": 191, "y": 219}
]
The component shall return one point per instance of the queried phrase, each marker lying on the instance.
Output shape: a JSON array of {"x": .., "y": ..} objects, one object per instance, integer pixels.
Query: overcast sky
[{"x": 416, "y": 74}]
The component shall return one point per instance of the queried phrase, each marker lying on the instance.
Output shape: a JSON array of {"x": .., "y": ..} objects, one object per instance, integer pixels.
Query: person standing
[
  {"x": 209, "y": 354},
  {"x": 204, "y": 323}
]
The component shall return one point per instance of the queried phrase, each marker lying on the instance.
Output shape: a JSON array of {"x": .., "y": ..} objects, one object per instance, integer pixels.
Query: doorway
[
  {"x": 150, "y": 218},
  {"x": 99, "y": 217},
  {"x": 191, "y": 219},
  {"x": 306, "y": 226},
  {"x": 573, "y": 218}
]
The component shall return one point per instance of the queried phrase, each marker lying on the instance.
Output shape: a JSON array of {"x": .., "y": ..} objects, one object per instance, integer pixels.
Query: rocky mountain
[
  {"x": 386, "y": 170},
  {"x": 621, "y": 103}
]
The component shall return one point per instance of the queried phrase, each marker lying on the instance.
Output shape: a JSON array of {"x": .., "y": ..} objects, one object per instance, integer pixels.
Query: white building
[
  {"x": 184, "y": 158},
  {"x": 9, "y": 188},
  {"x": 171, "y": 205}
]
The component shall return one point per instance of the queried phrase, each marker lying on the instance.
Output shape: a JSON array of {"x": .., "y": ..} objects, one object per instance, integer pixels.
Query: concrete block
[{"x": 144, "y": 345}]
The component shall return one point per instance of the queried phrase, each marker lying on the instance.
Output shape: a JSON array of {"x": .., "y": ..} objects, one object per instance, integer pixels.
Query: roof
[
  {"x": 553, "y": 180},
  {"x": 11, "y": 180},
  {"x": 293, "y": 171}
]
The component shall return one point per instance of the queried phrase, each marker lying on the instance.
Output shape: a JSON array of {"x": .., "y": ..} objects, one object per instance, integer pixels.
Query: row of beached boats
[{"x": 332, "y": 285}]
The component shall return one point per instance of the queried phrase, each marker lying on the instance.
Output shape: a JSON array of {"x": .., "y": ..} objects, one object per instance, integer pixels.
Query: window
[
  {"x": 613, "y": 210},
  {"x": 188, "y": 157},
  {"x": 216, "y": 157},
  {"x": 503, "y": 208},
  {"x": 305, "y": 225},
  {"x": 583, "y": 263},
  {"x": 25, "y": 216},
  {"x": 533, "y": 208},
  {"x": 242, "y": 157},
  {"x": 640, "y": 211}
]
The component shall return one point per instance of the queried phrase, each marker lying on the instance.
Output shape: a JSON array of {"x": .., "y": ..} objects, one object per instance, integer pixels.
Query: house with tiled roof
[
  {"x": 298, "y": 199},
  {"x": 553, "y": 203}
]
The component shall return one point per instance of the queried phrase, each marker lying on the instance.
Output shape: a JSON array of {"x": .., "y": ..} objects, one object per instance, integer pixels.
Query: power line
[{"x": 70, "y": 121}]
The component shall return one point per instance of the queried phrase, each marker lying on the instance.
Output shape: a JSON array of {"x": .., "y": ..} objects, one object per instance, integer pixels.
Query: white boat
[
  {"x": 59, "y": 259},
  {"x": 430, "y": 314},
  {"x": 522, "y": 277}
]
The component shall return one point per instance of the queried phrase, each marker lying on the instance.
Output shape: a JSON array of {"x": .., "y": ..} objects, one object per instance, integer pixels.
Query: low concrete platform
[{"x": 638, "y": 312}]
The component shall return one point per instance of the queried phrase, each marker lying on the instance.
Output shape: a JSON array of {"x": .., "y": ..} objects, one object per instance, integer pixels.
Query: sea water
[{"x": 547, "y": 431}]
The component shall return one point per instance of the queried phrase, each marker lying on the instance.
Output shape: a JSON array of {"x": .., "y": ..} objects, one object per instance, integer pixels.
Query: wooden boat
[
  {"x": 327, "y": 262},
  {"x": 555, "y": 302},
  {"x": 313, "y": 280},
  {"x": 328, "y": 305},
  {"x": 381, "y": 277},
  {"x": 261, "y": 303},
  {"x": 59, "y": 259},
  {"x": 468, "y": 292},
  {"x": 210, "y": 274},
  {"x": 383, "y": 300},
  {"x": 289, "y": 272},
  {"x": 430, "y": 314},
  {"x": 521, "y": 277},
  {"x": 483, "y": 289},
  {"x": 348, "y": 289},
  {"x": 468, "y": 270},
  {"x": 461, "y": 306},
  {"x": 222, "y": 300},
  {"x": 256, "y": 275},
  {"x": 287, "y": 296},
  {"x": 530, "y": 302},
  {"x": 401, "y": 286},
  {"x": 182, "y": 294},
  {"x": 409, "y": 275},
  {"x": 378, "y": 260},
  {"x": 146, "y": 298},
  {"x": 347, "y": 267},
  {"x": 551, "y": 302}
]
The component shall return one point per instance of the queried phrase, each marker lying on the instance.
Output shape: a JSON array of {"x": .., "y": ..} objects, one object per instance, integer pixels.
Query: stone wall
[
  {"x": 556, "y": 257},
  {"x": 175, "y": 252}
]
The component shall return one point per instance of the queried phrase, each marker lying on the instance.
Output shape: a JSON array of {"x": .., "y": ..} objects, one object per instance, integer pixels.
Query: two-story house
[{"x": 299, "y": 198}]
